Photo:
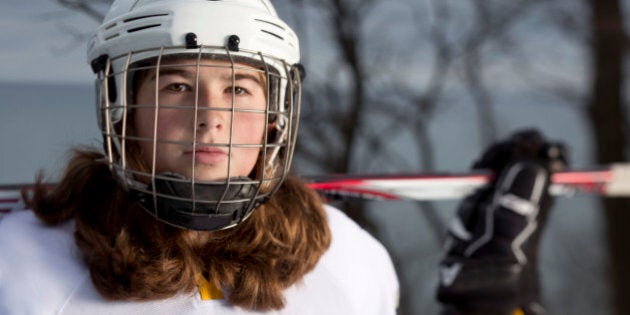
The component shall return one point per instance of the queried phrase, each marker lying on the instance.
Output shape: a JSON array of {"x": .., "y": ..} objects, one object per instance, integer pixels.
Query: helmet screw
[
  {"x": 191, "y": 41},
  {"x": 233, "y": 42}
]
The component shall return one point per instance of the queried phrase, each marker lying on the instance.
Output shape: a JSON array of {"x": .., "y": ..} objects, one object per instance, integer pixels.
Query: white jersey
[{"x": 41, "y": 272}]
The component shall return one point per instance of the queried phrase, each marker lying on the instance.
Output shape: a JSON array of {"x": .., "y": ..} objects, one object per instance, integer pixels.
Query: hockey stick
[{"x": 610, "y": 181}]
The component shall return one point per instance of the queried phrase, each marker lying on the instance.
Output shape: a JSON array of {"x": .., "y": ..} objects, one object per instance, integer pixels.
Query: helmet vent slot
[
  {"x": 136, "y": 29},
  {"x": 270, "y": 23},
  {"x": 112, "y": 36},
  {"x": 272, "y": 34}
]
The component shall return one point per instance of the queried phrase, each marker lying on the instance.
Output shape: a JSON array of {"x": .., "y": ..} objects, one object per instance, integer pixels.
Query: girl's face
[{"x": 227, "y": 105}]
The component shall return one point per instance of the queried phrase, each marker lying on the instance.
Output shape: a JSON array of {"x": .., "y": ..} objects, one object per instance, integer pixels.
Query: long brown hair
[{"x": 132, "y": 256}]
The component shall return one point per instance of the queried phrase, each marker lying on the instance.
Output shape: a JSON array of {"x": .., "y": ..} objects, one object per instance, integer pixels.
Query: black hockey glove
[{"x": 490, "y": 266}]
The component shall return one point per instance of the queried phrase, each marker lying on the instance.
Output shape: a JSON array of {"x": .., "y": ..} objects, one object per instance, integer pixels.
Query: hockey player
[
  {"x": 490, "y": 266},
  {"x": 191, "y": 208}
]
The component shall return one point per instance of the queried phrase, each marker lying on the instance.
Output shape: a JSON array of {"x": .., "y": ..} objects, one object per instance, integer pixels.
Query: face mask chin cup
[{"x": 213, "y": 206}]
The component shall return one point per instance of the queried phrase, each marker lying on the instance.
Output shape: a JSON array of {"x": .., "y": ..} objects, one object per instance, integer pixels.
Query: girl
[{"x": 191, "y": 208}]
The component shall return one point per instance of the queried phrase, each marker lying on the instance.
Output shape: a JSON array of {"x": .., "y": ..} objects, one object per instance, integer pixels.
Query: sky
[{"x": 37, "y": 45}]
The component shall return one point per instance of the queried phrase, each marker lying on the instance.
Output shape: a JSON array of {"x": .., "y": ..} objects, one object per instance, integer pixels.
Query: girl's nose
[{"x": 212, "y": 113}]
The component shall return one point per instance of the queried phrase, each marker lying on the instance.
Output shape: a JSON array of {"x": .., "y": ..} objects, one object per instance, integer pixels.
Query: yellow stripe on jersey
[
  {"x": 207, "y": 290},
  {"x": 518, "y": 311}
]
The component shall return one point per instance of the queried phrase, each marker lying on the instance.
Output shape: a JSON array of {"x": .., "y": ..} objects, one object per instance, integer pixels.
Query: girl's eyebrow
[
  {"x": 191, "y": 74},
  {"x": 172, "y": 71},
  {"x": 242, "y": 76}
]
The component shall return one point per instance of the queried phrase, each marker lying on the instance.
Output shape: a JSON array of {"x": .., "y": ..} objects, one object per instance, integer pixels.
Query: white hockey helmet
[{"x": 137, "y": 35}]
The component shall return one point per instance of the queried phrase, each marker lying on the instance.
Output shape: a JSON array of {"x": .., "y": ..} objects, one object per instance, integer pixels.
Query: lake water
[{"x": 39, "y": 123}]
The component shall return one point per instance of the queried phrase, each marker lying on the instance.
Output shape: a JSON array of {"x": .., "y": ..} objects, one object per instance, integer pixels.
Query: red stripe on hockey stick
[
  {"x": 582, "y": 177},
  {"x": 612, "y": 180}
]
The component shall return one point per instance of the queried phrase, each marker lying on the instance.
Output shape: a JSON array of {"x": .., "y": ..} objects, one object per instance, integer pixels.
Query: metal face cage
[{"x": 154, "y": 112}]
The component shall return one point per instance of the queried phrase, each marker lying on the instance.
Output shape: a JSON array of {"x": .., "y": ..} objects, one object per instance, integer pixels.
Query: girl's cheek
[
  {"x": 253, "y": 127},
  {"x": 169, "y": 120}
]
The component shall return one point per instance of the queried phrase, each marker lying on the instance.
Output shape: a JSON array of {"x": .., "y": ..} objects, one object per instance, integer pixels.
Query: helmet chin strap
[{"x": 199, "y": 206}]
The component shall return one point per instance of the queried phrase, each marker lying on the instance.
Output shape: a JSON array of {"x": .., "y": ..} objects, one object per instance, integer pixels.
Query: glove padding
[
  {"x": 527, "y": 144},
  {"x": 490, "y": 264}
]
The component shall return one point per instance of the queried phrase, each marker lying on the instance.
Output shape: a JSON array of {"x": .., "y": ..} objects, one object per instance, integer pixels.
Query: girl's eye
[
  {"x": 238, "y": 90},
  {"x": 177, "y": 87}
]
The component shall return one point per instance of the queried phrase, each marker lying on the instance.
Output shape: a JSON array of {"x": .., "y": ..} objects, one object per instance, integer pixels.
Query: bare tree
[
  {"x": 607, "y": 114},
  {"x": 94, "y": 9},
  {"x": 493, "y": 23},
  {"x": 409, "y": 108}
]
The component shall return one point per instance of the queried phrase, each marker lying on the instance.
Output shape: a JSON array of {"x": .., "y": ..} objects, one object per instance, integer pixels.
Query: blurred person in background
[{"x": 490, "y": 265}]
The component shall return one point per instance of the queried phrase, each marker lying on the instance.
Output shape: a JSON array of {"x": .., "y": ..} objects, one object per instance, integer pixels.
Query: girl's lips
[{"x": 208, "y": 155}]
